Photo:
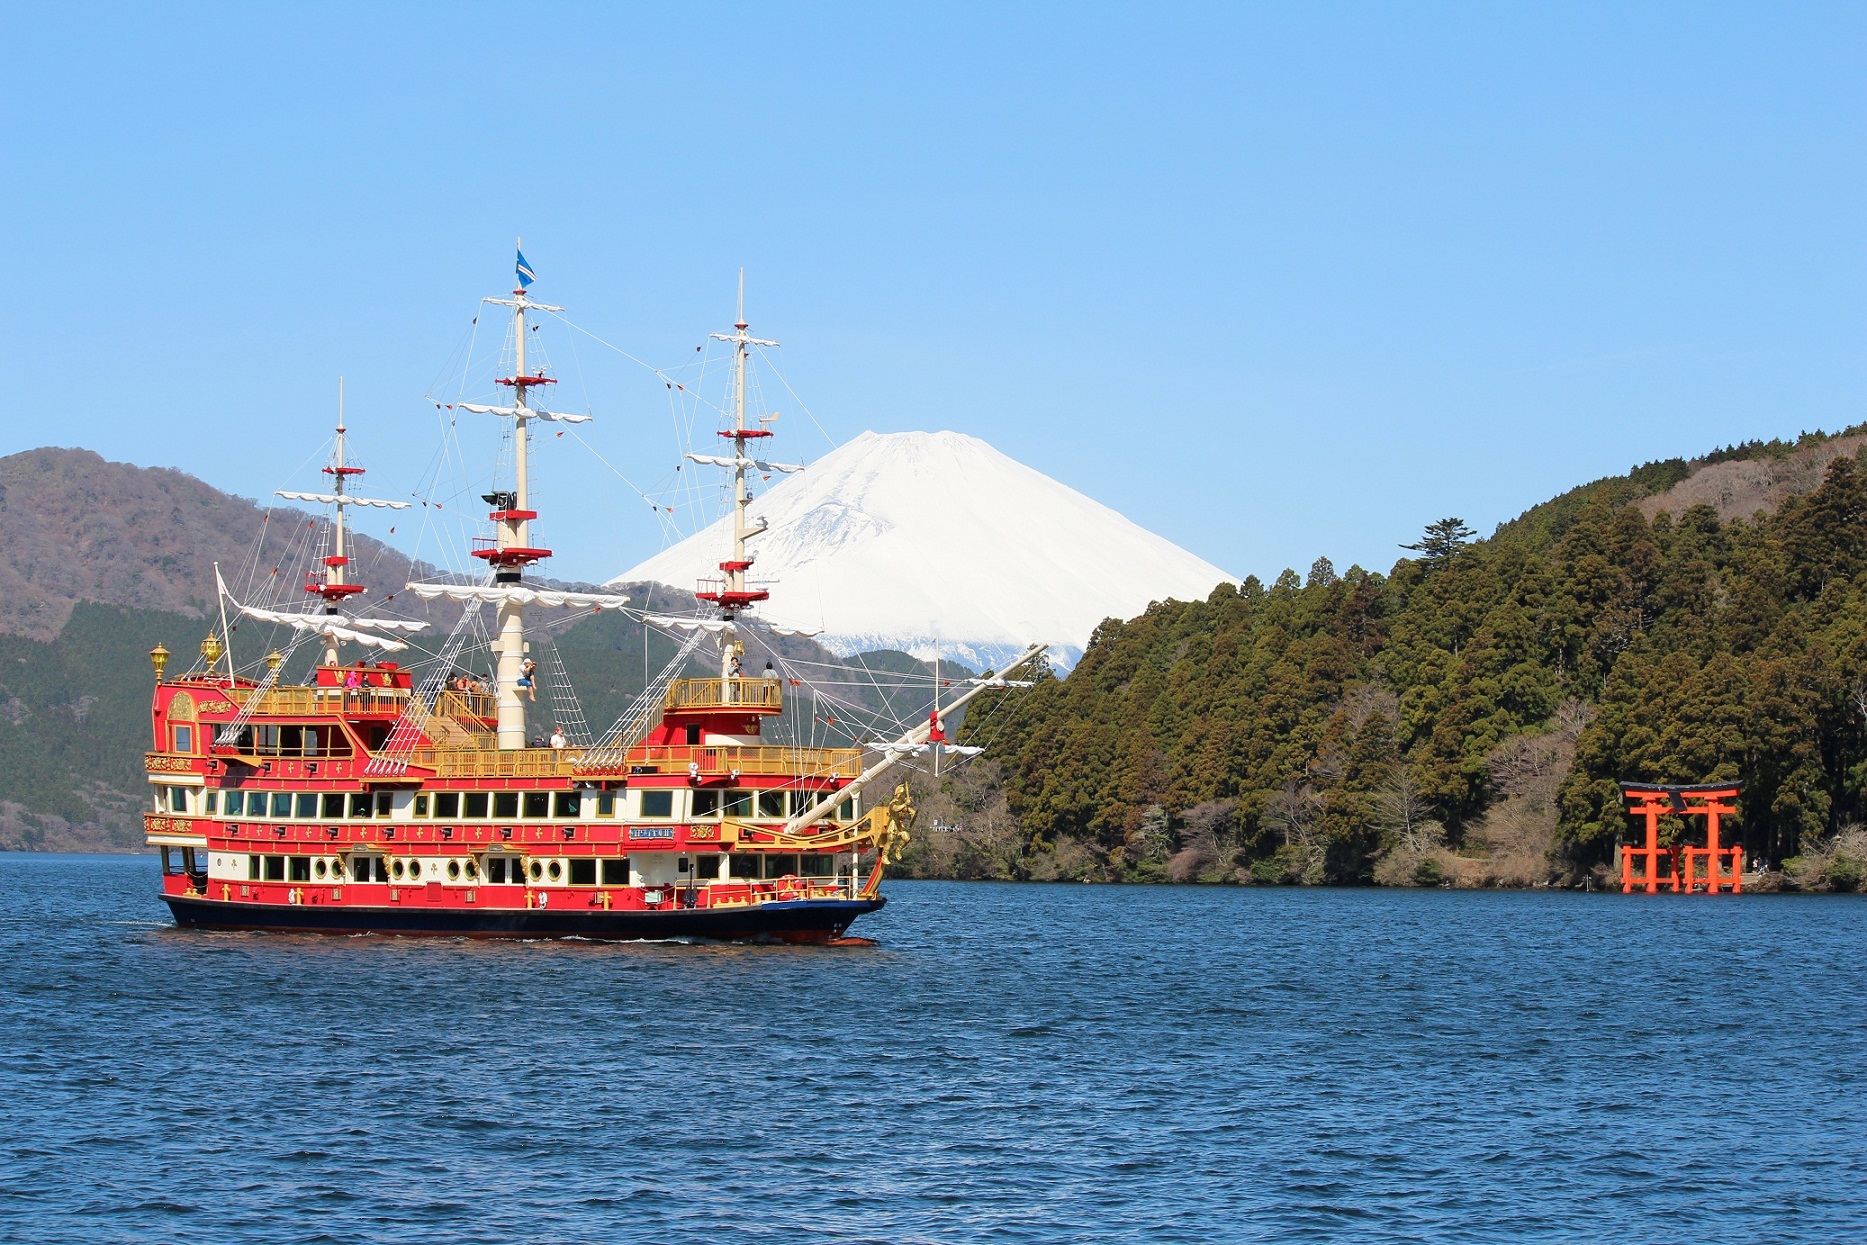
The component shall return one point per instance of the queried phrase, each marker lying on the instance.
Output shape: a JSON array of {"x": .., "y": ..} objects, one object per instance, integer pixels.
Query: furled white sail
[
  {"x": 530, "y": 412},
  {"x": 718, "y": 625},
  {"x": 331, "y": 499},
  {"x": 712, "y": 625},
  {"x": 334, "y": 625},
  {"x": 714, "y": 460},
  {"x": 499, "y": 593}
]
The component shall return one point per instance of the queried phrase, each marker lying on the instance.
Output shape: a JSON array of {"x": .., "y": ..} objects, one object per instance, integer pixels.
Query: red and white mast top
[
  {"x": 732, "y": 593},
  {"x": 336, "y": 586}
]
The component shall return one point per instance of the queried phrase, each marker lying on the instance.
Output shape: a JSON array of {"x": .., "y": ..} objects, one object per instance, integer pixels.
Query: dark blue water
[{"x": 1013, "y": 1063}]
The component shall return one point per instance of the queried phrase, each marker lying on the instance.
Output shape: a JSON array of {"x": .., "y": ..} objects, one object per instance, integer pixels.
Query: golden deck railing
[
  {"x": 711, "y": 762},
  {"x": 764, "y": 695}
]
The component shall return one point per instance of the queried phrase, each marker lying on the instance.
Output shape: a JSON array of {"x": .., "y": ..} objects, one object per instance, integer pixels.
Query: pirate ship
[{"x": 377, "y": 796}]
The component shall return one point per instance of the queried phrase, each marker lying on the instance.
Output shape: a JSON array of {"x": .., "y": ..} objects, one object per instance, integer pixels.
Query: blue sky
[{"x": 1273, "y": 281}]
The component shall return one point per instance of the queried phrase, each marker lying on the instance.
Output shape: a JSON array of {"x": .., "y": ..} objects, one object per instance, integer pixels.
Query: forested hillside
[{"x": 1465, "y": 716}]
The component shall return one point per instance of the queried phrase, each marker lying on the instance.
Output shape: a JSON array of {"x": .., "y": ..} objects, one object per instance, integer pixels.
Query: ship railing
[
  {"x": 316, "y": 700},
  {"x": 481, "y": 761},
  {"x": 714, "y": 759},
  {"x": 759, "y": 695},
  {"x": 747, "y": 892}
]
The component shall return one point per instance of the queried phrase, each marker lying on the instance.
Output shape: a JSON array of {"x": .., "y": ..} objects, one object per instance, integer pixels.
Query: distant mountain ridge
[{"x": 74, "y": 527}]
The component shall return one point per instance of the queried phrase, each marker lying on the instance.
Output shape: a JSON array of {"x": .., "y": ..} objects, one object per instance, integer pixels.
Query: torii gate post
[{"x": 1708, "y": 800}]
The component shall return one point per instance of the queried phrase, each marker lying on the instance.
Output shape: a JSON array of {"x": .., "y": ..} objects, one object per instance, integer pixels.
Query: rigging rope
[
  {"x": 566, "y": 709},
  {"x": 633, "y": 726},
  {"x": 392, "y": 759}
]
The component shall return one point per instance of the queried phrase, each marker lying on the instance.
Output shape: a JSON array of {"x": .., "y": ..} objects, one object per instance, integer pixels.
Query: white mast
[
  {"x": 334, "y": 565},
  {"x": 733, "y": 594},
  {"x": 512, "y": 514},
  {"x": 337, "y": 586}
]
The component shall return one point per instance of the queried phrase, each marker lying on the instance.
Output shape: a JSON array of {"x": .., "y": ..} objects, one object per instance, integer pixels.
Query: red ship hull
[{"x": 793, "y": 921}]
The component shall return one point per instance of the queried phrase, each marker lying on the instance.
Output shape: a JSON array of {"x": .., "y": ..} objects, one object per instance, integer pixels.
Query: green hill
[{"x": 1467, "y": 715}]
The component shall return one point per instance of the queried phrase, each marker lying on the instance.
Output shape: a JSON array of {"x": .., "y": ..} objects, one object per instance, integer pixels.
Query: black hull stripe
[{"x": 805, "y": 919}]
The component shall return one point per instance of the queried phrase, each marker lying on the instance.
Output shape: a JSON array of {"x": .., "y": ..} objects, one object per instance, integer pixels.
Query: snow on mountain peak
[{"x": 936, "y": 543}]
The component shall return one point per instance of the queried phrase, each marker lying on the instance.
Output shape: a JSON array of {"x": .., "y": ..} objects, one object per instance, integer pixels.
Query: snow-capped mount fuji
[{"x": 935, "y": 543}]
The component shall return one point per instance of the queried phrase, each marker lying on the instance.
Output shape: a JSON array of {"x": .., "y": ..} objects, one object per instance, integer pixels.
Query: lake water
[{"x": 1012, "y": 1063}]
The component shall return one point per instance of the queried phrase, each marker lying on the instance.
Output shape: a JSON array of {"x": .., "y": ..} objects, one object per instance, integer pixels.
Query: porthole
[
  {"x": 473, "y": 870},
  {"x": 538, "y": 871},
  {"x": 557, "y": 870},
  {"x": 395, "y": 870},
  {"x": 414, "y": 870},
  {"x": 318, "y": 868},
  {"x": 453, "y": 869}
]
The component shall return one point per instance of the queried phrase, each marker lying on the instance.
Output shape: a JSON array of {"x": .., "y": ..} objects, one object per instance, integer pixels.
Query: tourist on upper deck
[{"x": 559, "y": 739}]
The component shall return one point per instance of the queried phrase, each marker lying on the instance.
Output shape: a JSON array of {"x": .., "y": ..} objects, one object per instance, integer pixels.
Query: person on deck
[{"x": 559, "y": 739}]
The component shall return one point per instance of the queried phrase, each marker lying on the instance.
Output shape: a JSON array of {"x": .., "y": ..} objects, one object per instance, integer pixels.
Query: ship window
[
  {"x": 505, "y": 804},
  {"x": 231, "y": 802},
  {"x": 421, "y": 806},
  {"x": 496, "y": 869},
  {"x": 366, "y": 869},
  {"x": 213, "y": 802},
  {"x": 475, "y": 802},
  {"x": 556, "y": 870},
  {"x": 385, "y": 803},
  {"x": 307, "y": 805},
  {"x": 359, "y": 804},
  {"x": 171, "y": 860},
  {"x": 738, "y": 803},
  {"x": 184, "y": 739},
  {"x": 802, "y": 800},
  {"x": 846, "y": 811},
  {"x": 446, "y": 804},
  {"x": 680, "y": 864},
  {"x": 252, "y": 868},
  {"x": 693, "y": 735},
  {"x": 583, "y": 873},
  {"x": 537, "y": 803},
  {"x": 706, "y": 803},
  {"x": 743, "y": 866},
  {"x": 771, "y": 804},
  {"x": 320, "y": 869},
  {"x": 473, "y": 870},
  {"x": 706, "y": 867},
  {"x": 178, "y": 800},
  {"x": 606, "y": 804},
  {"x": 453, "y": 869},
  {"x": 566, "y": 803},
  {"x": 616, "y": 872},
  {"x": 275, "y": 868},
  {"x": 538, "y": 870},
  {"x": 281, "y": 805},
  {"x": 301, "y": 868},
  {"x": 776, "y": 866},
  {"x": 818, "y": 867},
  {"x": 661, "y": 803},
  {"x": 331, "y": 805},
  {"x": 396, "y": 870}
]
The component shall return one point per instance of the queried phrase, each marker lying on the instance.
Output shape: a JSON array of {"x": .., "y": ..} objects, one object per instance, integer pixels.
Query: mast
[
  {"x": 336, "y": 586},
  {"x": 512, "y": 550},
  {"x": 733, "y": 593}
]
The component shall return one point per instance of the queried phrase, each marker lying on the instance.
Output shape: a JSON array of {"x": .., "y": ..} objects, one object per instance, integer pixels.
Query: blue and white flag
[{"x": 525, "y": 273}]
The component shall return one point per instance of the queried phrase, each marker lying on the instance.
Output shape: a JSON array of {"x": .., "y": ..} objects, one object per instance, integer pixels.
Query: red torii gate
[{"x": 1708, "y": 800}]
